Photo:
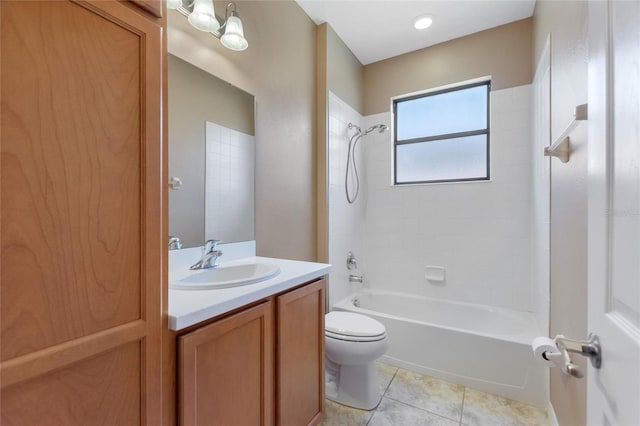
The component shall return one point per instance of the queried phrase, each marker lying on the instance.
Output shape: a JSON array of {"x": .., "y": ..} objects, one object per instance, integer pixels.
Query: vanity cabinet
[
  {"x": 300, "y": 355},
  {"x": 226, "y": 370},
  {"x": 260, "y": 365}
]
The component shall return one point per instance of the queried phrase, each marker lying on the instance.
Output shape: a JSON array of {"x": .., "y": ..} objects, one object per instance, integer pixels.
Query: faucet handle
[
  {"x": 352, "y": 263},
  {"x": 210, "y": 245}
]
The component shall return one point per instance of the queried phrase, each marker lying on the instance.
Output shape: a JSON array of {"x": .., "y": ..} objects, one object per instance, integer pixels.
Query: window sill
[{"x": 463, "y": 182}]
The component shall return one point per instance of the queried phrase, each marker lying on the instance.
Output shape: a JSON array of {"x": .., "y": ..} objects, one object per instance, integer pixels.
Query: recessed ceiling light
[{"x": 422, "y": 22}]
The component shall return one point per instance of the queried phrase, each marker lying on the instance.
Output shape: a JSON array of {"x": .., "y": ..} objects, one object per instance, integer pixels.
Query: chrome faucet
[
  {"x": 174, "y": 243},
  {"x": 356, "y": 278},
  {"x": 209, "y": 256}
]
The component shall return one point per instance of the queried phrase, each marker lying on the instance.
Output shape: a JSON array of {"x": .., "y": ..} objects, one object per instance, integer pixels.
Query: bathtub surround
[
  {"x": 346, "y": 225},
  {"x": 477, "y": 235},
  {"x": 540, "y": 188},
  {"x": 451, "y": 340},
  {"x": 478, "y": 231}
]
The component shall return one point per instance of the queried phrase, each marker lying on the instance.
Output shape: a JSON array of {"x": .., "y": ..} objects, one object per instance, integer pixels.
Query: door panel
[
  {"x": 106, "y": 387},
  {"x": 226, "y": 370},
  {"x": 71, "y": 161},
  {"x": 614, "y": 211},
  {"x": 81, "y": 212},
  {"x": 625, "y": 168},
  {"x": 300, "y": 355}
]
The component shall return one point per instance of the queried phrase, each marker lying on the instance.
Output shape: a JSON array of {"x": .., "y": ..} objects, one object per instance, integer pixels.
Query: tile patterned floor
[{"x": 412, "y": 399}]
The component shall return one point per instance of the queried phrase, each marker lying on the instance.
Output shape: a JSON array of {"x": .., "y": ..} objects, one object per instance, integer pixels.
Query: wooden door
[
  {"x": 81, "y": 214},
  {"x": 300, "y": 355},
  {"x": 226, "y": 370}
]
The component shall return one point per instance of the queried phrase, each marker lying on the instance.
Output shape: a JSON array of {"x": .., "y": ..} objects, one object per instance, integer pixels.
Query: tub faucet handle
[{"x": 352, "y": 263}]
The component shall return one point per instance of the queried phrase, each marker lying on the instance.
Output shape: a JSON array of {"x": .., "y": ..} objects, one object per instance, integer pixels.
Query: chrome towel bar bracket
[{"x": 561, "y": 148}]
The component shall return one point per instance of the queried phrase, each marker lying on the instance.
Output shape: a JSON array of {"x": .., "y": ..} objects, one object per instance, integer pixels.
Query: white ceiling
[{"x": 379, "y": 29}]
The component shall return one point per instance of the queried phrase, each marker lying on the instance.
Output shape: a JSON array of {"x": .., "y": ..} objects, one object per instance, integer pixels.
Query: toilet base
[{"x": 355, "y": 385}]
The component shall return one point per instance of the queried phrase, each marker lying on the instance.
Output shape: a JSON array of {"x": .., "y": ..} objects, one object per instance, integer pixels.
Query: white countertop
[{"x": 188, "y": 307}]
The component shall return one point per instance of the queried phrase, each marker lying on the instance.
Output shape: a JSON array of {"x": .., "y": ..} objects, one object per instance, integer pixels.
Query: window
[{"x": 442, "y": 136}]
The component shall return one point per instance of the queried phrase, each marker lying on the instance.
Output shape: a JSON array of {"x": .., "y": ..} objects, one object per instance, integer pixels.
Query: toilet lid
[{"x": 350, "y": 324}]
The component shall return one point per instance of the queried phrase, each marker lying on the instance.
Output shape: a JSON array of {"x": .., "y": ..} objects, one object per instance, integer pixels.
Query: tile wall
[
  {"x": 346, "y": 221},
  {"x": 480, "y": 232},
  {"x": 229, "y": 184},
  {"x": 541, "y": 193}
]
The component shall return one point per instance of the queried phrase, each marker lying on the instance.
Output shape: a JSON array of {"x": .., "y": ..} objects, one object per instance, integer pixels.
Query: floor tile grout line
[
  {"x": 464, "y": 395},
  {"x": 375, "y": 410},
  {"x": 390, "y": 381},
  {"x": 372, "y": 415}
]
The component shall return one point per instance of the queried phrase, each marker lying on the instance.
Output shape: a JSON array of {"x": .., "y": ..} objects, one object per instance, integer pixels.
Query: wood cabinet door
[
  {"x": 300, "y": 355},
  {"x": 81, "y": 214},
  {"x": 226, "y": 370},
  {"x": 152, "y": 6}
]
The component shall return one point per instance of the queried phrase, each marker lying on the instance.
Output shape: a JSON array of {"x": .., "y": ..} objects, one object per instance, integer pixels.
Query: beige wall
[
  {"x": 322, "y": 140},
  {"x": 195, "y": 97},
  {"x": 344, "y": 72},
  {"x": 502, "y": 52},
  {"x": 338, "y": 71},
  {"x": 567, "y": 23},
  {"x": 279, "y": 69}
]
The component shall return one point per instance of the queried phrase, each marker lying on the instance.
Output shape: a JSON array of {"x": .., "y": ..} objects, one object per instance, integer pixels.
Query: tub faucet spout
[{"x": 355, "y": 278}]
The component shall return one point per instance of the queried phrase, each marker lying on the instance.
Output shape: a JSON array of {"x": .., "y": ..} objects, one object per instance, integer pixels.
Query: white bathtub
[{"x": 478, "y": 346}]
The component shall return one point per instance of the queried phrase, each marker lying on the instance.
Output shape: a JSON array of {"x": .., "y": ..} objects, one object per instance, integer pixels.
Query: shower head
[{"x": 379, "y": 127}]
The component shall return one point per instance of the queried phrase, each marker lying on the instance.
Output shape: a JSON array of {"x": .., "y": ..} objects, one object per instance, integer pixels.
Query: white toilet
[{"x": 353, "y": 342}]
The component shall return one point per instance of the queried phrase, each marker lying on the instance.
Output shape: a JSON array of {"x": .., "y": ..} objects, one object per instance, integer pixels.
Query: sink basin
[{"x": 226, "y": 276}]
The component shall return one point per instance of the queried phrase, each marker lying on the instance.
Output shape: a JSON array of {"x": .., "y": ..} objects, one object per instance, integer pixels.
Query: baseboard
[{"x": 553, "y": 420}]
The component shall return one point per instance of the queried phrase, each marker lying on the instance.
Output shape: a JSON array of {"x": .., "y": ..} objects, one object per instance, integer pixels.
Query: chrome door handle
[{"x": 590, "y": 348}]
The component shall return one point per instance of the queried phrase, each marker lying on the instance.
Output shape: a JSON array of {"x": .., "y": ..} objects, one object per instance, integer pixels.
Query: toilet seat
[{"x": 353, "y": 327}]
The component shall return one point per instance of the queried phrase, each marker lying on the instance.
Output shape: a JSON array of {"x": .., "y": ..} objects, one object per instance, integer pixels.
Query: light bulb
[
  {"x": 233, "y": 37},
  {"x": 422, "y": 22},
  {"x": 174, "y": 4},
  {"x": 203, "y": 16}
]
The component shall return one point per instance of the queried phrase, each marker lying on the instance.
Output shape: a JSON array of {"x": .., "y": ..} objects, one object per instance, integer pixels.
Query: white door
[{"x": 613, "y": 396}]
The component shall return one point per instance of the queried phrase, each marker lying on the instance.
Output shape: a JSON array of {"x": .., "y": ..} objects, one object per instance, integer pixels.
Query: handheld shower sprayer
[
  {"x": 379, "y": 127},
  {"x": 351, "y": 157}
]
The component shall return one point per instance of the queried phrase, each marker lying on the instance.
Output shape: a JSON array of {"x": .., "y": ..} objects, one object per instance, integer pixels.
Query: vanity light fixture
[
  {"x": 233, "y": 37},
  {"x": 422, "y": 22},
  {"x": 201, "y": 14}
]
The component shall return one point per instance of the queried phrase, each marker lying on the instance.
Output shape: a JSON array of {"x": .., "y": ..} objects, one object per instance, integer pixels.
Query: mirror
[{"x": 211, "y": 157}]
